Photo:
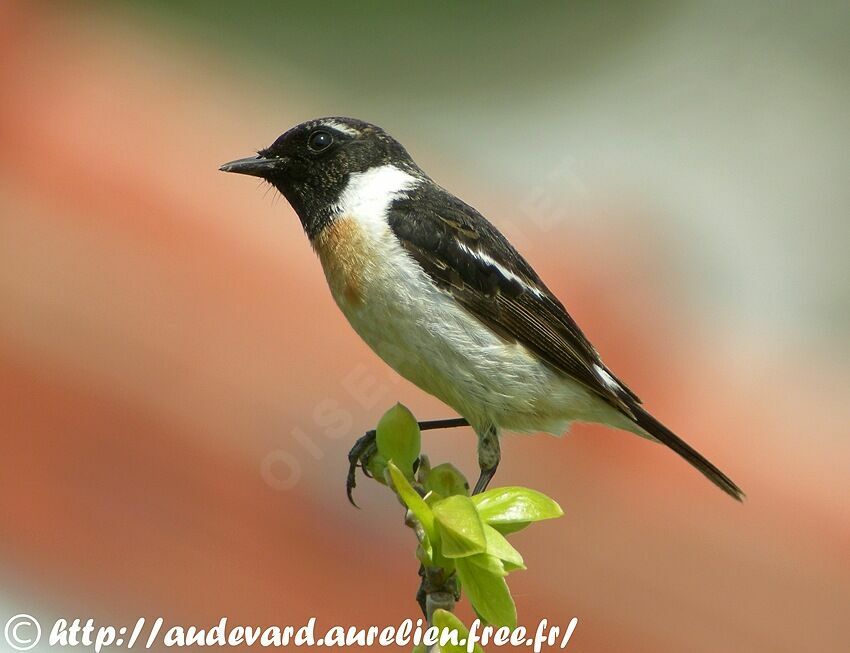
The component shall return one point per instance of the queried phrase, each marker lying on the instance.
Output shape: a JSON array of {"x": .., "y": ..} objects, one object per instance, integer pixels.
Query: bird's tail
[{"x": 661, "y": 433}]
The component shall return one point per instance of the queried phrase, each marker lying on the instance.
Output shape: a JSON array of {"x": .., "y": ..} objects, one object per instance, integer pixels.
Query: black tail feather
[{"x": 664, "y": 435}]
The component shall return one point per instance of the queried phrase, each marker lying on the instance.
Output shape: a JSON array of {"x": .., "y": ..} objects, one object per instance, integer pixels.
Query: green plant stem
[{"x": 437, "y": 591}]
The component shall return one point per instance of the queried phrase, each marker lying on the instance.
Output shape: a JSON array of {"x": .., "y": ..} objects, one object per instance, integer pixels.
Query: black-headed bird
[{"x": 443, "y": 297}]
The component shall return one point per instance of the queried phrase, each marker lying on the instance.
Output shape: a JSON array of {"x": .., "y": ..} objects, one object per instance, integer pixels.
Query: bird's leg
[
  {"x": 489, "y": 455},
  {"x": 365, "y": 448}
]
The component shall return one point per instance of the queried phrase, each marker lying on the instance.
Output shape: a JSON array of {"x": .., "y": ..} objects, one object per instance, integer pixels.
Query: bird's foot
[
  {"x": 489, "y": 455},
  {"x": 359, "y": 456},
  {"x": 484, "y": 480}
]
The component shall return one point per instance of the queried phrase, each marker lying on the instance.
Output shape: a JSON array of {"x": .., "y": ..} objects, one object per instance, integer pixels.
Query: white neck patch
[{"x": 368, "y": 195}]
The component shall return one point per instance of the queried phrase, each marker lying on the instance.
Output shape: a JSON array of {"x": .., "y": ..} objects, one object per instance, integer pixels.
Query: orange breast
[{"x": 343, "y": 250}]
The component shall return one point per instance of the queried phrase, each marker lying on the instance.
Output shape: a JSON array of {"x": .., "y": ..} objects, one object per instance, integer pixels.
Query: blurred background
[{"x": 178, "y": 391}]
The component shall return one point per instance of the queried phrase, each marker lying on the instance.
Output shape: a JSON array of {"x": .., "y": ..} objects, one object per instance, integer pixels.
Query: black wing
[{"x": 468, "y": 257}]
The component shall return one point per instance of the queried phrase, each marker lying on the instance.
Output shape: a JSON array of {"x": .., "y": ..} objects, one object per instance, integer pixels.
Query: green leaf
[
  {"x": 446, "y": 480},
  {"x": 376, "y": 466},
  {"x": 460, "y": 527},
  {"x": 499, "y": 547},
  {"x": 425, "y": 552},
  {"x": 489, "y": 563},
  {"x": 509, "y": 509},
  {"x": 445, "y": 620},
  {"x": 487, "y": 591},
  {"x": 414, "y": 502},
  {"x": 507, "y": 529},
  {"x": 398, "y": 438}
]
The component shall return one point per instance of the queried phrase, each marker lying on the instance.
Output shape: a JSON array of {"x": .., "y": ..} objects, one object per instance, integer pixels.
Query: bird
[{"x": 438, "y": 293}]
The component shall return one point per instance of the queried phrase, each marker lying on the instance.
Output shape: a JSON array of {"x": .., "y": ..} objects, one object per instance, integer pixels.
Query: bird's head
[{"x": 311, "y": 163}]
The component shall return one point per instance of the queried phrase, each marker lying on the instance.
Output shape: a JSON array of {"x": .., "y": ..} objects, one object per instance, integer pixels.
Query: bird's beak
[{"x": 257, "y": 166}]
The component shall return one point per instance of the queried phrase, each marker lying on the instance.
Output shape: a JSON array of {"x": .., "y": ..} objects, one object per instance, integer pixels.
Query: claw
[
  {"x": 357, "y": 457},
  {"x": 366, "y": 446}
]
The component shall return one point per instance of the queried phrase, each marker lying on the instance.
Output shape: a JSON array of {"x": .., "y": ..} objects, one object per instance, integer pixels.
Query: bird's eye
[{"x": 319, "y": 141}]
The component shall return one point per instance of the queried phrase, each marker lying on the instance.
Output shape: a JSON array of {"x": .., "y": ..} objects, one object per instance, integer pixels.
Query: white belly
[{"x": 422, "y": 333}]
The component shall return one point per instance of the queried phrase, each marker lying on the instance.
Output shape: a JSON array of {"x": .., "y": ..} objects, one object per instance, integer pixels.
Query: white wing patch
[
  {"x": 484, "y": 258},
  {"x": 606, "y": 377}
]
